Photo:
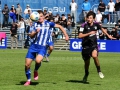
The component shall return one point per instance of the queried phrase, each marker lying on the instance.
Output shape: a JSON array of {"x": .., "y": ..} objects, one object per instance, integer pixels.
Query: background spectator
[
  {"x": 98, "y": 17},
  {"x": 111, "y": 5},
  {"x": 12, "y": 13},
  {"x": 45, "y": 12},
  {"x": 101, "y": 35},
  {"x": 26, "y": 10},
  {"x": 114, "y": 32},
  {"x": 13, "y": 32},
  {"x": 108, "y": 31},
  {"x": 63, "y": 22},
  {"x": 117, "y": 10},
  {"x": 29, "y": 29},
  {"x": 57, "y": 18},
  {"x": 5, "y": 13},
  {"x": 21, "y": 25},
  {"x": 28, "y": 15},
  {"x": 101, "y": 8},
  {"x": 86, "y": 7},
  {"x": 69, "y": 25},
  {"x": 18, "y": 12},
  {"x": 118, "y": 31},
  {"x": 73, "y": 8}
]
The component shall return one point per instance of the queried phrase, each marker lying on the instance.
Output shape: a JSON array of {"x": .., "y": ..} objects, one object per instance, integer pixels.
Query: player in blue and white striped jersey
[
  {"x": 37, "y": 50},
  {"x": 50, "y": 43}
]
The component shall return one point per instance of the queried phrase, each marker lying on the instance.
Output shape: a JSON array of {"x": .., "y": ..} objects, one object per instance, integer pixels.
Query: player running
[
  {"x": 50, "y": 45},
  {"x": 89, "y": 44},
  {"x": 37, "y": 50}
]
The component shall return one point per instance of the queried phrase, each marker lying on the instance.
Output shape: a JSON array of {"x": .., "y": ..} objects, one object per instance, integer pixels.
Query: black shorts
[{"x": 87, "y": 52}]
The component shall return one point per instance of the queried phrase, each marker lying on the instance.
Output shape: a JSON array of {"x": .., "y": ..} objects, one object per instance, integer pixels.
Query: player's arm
[
  {"x": 105, "y": 32},
  {"x": 81, "y": 35},
  {"x": 34, "y": 33},
  {"x": 63, "y": 30}
]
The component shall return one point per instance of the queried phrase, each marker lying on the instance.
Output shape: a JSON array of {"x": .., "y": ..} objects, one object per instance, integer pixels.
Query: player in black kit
[{"x": 89, "y": 44}]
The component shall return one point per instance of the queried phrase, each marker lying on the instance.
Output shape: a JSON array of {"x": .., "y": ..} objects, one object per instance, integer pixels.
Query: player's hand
[
  {"x": 38, "y": 29},
  {"x": 28, "y": 33},
  {"x": 92, "y": 32},
  {"x": 67, "y": 38},
  {"x": 111, "y": 37}
]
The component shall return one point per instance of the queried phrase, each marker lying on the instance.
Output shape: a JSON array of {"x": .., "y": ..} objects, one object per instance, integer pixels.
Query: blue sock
[
  {"x": 37, "y": 66},
  {"x": 28, "y": 74},
  {"x": 48, "y": 55}
]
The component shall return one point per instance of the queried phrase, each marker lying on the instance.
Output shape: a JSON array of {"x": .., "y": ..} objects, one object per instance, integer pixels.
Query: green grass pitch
[{"x": 64, "y": 72}]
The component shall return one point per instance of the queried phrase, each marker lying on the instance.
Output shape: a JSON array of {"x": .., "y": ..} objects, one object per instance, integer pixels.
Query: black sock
[
  {"x": 86, "y": 72},
  {"x": 37, "y": 66},
  {"x": 98, "y": 68}
]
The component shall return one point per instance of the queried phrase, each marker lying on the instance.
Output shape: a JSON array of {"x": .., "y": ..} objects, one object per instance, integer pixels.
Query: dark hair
[
  {"x": 63, "y": 15},
  {"x": 45, "y": 10},
  {"x": 40, "y": 11},
  {"x": 114, "y": 28},
  {"x": 91, "y": 13},
  {"x": 116, "y": 25}
]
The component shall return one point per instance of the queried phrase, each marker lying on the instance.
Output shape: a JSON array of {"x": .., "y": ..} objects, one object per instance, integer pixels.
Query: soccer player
[
  {"x": 50, "y": 45},
  {"x": 89, "y": 44},
  {"x": 36, "y": 51}
]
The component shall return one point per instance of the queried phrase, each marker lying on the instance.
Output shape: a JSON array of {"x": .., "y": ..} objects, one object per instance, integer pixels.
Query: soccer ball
[{"x": 34, "y": 16}]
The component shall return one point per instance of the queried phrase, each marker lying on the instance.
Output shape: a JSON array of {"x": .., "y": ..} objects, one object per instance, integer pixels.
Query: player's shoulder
[
  {"x": 96, "y": 23},
  {"x": 47, "y": 22},
  {"x": 99, "y": 25},
  {"x": 83, "y": 24}
]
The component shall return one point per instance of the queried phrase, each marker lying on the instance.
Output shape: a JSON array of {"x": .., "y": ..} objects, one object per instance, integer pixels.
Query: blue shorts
[
  {"x": 50, "y": 44},
  {"x": 34, "y": 50}
]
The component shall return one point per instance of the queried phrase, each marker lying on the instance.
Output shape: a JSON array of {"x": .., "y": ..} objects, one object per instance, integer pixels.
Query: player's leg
[
  {"x": 96, "y": 61},
  {"x": 39, "y": 58},
  {"x": 28, "y": 62},
  {"x": 86, "y": 68},
  {"x": 29, "y": 57},
  {"x": 50, "y": 50},
  {"x": 12, "y": 42},
  {"x": 51, "y": 47},
  {"x": 86, "y": 58},
  {"x": 37, "y": 66}
]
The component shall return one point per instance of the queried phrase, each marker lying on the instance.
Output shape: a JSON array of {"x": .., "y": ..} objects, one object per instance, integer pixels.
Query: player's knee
[
  {"x": 39, "y": 58},
  {"x": 51, "y": 48},
  {"x": 38, "y": 61},
  {"x": 27, "y": 66},
  {"x": 94, "y": 55}
]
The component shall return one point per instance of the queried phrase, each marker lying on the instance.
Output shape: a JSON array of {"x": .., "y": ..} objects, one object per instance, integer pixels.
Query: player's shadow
[
  {"x": 32, "y": 83},
  {"x": 77, "y": 81},
  {"x": 46, "y": 61}
]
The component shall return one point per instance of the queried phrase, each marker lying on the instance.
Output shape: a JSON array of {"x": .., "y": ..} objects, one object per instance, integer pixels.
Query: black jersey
[{"x": 91, "y": 40}]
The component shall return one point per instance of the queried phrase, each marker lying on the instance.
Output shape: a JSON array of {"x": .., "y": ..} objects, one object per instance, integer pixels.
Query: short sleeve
[
  {"x": 98, "y": 26},
  {"x": 52, "y": 24},
  {"x": 34, "y": 26}
]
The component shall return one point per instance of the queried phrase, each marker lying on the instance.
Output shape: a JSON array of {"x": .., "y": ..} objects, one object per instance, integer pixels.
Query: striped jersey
[
  {"x": 43, "y": 36},
  {"x": 31, "y": 29},
  {"x": 51, "y": 32}
]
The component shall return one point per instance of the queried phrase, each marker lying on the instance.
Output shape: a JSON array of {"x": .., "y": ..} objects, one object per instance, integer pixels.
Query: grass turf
[{"x": 64, "y": 72}]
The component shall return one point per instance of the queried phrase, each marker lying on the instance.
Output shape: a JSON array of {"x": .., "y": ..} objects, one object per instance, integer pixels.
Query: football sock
[
  {"x": 98, "y": 68},
  {"x": 48, "y": 55},
  {"x": 37, "y": 66},
  {"x": 86, "y": 72},
  {"x": 28, "y": 74}
]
